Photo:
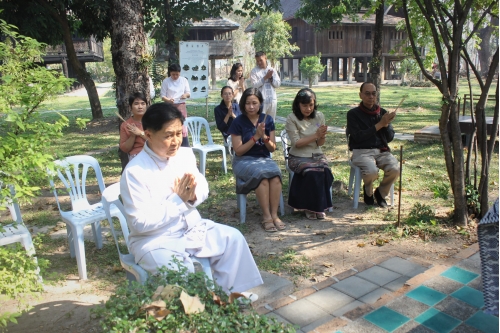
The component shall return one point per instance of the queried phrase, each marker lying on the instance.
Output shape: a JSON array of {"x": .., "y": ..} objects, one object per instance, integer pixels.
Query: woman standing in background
[
  {"x": 175, "y": 89},
  {"x": 237, "y": 81}
]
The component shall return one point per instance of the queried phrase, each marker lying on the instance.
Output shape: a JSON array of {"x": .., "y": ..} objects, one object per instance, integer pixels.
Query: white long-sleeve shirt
[
  {"x": 266, "y": 86},
  {"x": 157, "y": 217}
]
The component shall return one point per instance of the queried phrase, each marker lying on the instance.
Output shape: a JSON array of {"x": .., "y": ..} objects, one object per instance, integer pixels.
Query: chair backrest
[
  {"x": 74, "y": 179},
  {"x": 194, "y": 125},
  {"x": 110, "y": 197},
  {"x": 285, "y": 146},
  {"x": 13, "y": 206}
]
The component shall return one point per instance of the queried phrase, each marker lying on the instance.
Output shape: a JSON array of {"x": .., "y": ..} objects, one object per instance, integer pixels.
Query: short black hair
[
  {"x": 249, "y": 92},
  {"x": 136, "y": 95},
  {"x": 159, "y": 114},
  {"x": 260, "y": 54},
  {"x": 174, "y": 68},
  {"x": 232, "y": 74},
  {"x": 364, "y": 83},
  {"x": 226, "y": 87},
  {"x": 304, "y": 96}
]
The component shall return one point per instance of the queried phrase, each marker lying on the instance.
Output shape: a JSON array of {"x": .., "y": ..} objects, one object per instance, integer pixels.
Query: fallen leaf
[
  {"x": 348, "y": 250},
  {"x": 327, "y": 264},
  {"x": 361, "y": 245},
  {"x": 169, "y": 292},
  {"x": 191, "y": 304},
  {"x": 162, "y": 313},
  {"x": 327, "y": 274},
  {"x": 157, "y": 293},
  {"x": 234, "y": 296},
  {"x": 217, "y": 299},
  {"x": 379, "y": 242},
  {"x": 359, "y": 217},
  {"x": 314, "y": 279}
]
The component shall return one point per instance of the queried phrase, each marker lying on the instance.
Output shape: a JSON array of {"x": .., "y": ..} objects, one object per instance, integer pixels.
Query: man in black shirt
[{"x": 369, "y": 130}]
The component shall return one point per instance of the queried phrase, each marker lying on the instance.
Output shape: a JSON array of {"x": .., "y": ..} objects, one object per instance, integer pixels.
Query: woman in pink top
[{"x": 132, "y": 136}]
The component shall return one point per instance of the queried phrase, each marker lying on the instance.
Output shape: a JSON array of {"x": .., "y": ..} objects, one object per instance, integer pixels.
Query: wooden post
[
  {"x": 400, "y": 182},
  {"x": 335, "y": 69},
  {"x": 214, "y": 77},
  {"x": 349, "y": 70},
  {"x": 365, "y": 69}
]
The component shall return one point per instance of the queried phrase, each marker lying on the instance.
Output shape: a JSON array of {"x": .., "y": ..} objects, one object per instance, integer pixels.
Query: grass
[{"x": 424, "y": 171}]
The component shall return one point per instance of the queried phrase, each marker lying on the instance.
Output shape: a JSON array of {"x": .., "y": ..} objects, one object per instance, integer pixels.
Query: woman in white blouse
[{"x": 175, "y": 90}]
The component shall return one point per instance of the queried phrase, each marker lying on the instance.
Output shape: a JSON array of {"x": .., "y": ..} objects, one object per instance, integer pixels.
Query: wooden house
[
  {"x": 346, "y": 47},
  {"x": 87, "y": 50}
]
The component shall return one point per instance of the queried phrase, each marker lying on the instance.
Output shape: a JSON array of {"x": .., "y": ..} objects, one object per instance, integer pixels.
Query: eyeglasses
[{"x": 368, "y": 93}]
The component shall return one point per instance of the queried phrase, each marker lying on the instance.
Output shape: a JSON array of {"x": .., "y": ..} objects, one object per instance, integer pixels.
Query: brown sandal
[
  {"x": 279, "y": 224},
  {"x": 268, "y": 226}
]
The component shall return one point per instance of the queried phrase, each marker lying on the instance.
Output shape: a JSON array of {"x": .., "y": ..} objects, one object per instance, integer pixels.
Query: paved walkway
[{"x": 392, "y": 294}]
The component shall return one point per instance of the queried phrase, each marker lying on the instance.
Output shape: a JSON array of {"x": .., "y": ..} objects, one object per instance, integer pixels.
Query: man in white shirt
[{"x": 266, "y": 79}]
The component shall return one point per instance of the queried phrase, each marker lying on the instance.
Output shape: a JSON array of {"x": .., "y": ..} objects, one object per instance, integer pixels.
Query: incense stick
[
  {"x": 119, "y": 116},
  {"x": 401, "y": 102}
]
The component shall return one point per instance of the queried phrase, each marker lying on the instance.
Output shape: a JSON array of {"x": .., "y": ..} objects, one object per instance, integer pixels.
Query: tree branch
[
  {"x": 476, "y": 25},
  {"x": 466, "y": 57}
]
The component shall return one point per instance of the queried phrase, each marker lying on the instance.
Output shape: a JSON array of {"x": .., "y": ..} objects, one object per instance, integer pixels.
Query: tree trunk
[
  {"x": 82, "y": 75},
  {"x": 484, "y": 50},
  {"x": 170, "y": 42},
  {"x": 378, "y": 39},
  {"x": 128, "y": 45}
]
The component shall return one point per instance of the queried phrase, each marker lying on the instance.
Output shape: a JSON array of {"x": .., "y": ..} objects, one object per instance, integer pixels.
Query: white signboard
[{"x": 194, "y": 65}]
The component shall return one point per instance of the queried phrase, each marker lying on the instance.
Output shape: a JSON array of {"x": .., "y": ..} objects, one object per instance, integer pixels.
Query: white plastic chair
[
  {"x": 355, "y": 177},
  {"x": 285, "y": 144},
  {"x": 242, "y": 198},
  {"x": 195, "y": 125},
  {"x": 72, "y": 171},
  {"x": 110, "y": 199},
  {"x": 16, "y": 232}
]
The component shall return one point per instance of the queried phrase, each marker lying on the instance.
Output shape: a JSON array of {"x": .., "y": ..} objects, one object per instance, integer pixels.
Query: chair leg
[
  {"x": 392, "y": 195},
  {"x": 203, "y": 161},
  {"x": 282, "y": 204},
  {"x": 357, "y": 187},
  {"x": 71, "y": 242},
  {"x": 80, "y": 251},
  {"x": 331, "y": 197},
  {"x": 242, "y": 206},
  {"x": 96, "y": 231},
  {"x": 351, "y": 180},
  {"x": 224, "y": 160},
  {"x": 27, "y": 243}
]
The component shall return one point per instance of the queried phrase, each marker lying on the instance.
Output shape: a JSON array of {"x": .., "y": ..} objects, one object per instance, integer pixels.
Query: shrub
[
  {"x": 441, "y": 190},
  {"x": 420, "y": 214},
  {"x": 421, "y": 84},
  {"x": 123, "y": 312}
]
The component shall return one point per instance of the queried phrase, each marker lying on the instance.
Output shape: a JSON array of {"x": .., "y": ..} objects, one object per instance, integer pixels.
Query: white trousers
[{"x": 227, "y": 250}]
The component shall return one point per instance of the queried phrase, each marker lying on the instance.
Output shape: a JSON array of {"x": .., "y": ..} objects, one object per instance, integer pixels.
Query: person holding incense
[
  {"x": 132, "y": 136},
  {"x": 369, "y": 132},
  {"x": 175, "y": 90},
  {"x": 226, "y": 111},
  {"x": 160, "y": 189},
  {"x": 312, "y": 179},
  {"x": 253, "y": 139}
]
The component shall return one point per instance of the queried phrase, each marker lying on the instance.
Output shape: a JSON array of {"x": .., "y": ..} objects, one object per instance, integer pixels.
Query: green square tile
[
  {"x": 470, "y": 296},
  {"x": 437, "y": 321},
  {"x": 426, "y": 295},
  {"x": 386, "y": 318},
  {"x": 483, "y": 322},
  {"x": 459, "y": 274}
]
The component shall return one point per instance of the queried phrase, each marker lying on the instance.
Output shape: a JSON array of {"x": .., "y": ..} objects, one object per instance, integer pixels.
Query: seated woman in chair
[
  {"x": 312, "y": 180},
  {"x": 252, "y": 136},
  {"x": 132, "y": 136},
  {"x": 160, "y": 189},
  {"x": 226, "y": 111}
]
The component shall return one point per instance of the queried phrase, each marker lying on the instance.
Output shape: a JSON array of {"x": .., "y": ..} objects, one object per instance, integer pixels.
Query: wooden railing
[{"x": 82, "y": 46}]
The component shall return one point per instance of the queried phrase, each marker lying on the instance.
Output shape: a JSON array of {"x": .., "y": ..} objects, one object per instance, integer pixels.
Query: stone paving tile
[
  {"x": 373, "y": 296},
  {"x": 329, "y": 299},
  {"x": 408, "y": 306},
  {"x": 464, "y": 328},
  {"x": 355, "y": 286},
  {"x": 473, "y": 264},
  {"x": 278, "y": 318},
  {"x": 443, "y": 284},
  {"x": 400, "y": 265},
  {"x": 396, "y": 284},
  {"x": 416, "y": 271},
  {"x": 301, "y": 312},
  {"x": 456, "y": 308},
  {"x": 413, "y": 327},
  {"x": 477, "y": 283},
  {"x": 316, "y": 323},
  {"x": 378, "y": 275},
  {"x": 361, "y": 326},
  {"x": 346, "y": 308}
]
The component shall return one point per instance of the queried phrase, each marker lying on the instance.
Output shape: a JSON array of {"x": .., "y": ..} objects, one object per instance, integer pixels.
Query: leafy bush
[
  {"x": 18, "y": 276},
  {"x": 473, "y": 199},
  {"x": 125, "y": 311},
  {"x": 441, "y": 190},
  {"x": 420, "y": 214}
]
